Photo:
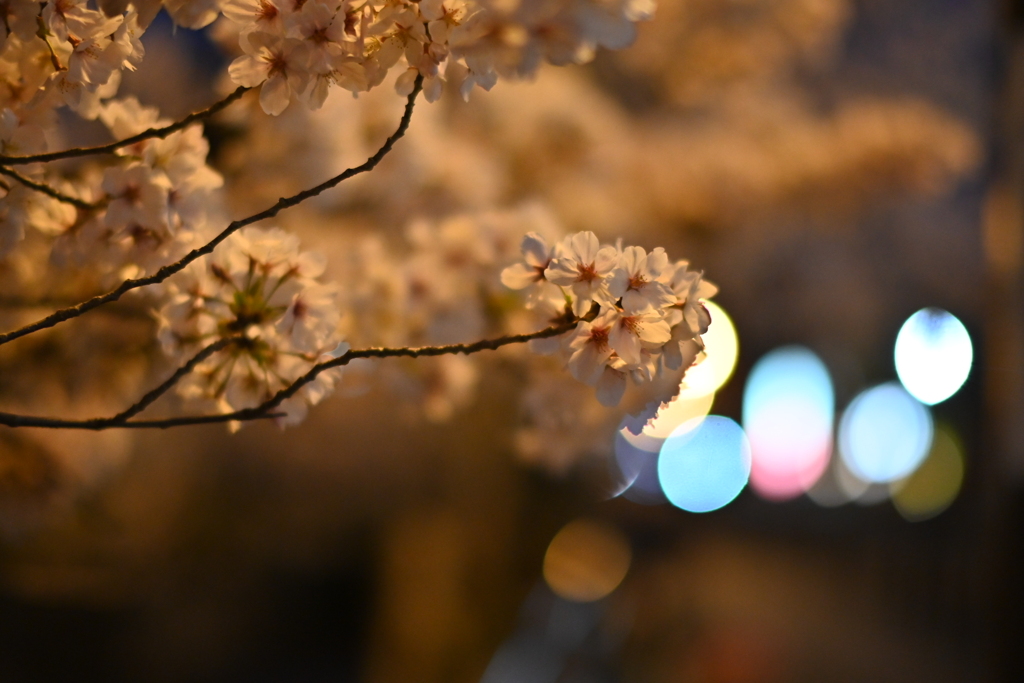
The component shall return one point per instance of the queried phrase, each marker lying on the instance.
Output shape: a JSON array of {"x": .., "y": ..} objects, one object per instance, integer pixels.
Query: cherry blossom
[
  {"x": 277, "y": 64},
  {"x": 635, "y": 281},
  {"x": 530, "y": 275},
  {"x": 690, "y": 289},
  {"x": 138, "y": 196},
  {"x": 635, "y": 329},
  {"x": 584, "y": 266},
  {"x": 638, "y": 316},
  {"x": 263, "y": 292}
]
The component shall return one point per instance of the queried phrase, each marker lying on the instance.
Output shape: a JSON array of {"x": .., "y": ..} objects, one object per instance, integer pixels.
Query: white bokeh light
[{"x": 933, "y": 355}]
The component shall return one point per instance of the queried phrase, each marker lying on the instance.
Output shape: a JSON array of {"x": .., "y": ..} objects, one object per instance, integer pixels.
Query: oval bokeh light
[
  {"x": 681, "y": 410},
  {"x": 586, "y": 560},
  {"x": 885, "y": 433},
  {"x": 788, "y": 411},
  {"x": 933, "y": 355},
  {"x": 638, "y": 473},
  {"x": 705, "y": 468},
  {"x": 935, "y": 484},
  {"x": 721, "y": 346}
]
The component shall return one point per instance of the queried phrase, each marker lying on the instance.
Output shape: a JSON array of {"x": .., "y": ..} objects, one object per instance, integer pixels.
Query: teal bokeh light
[{"x": 706, "y": 468}]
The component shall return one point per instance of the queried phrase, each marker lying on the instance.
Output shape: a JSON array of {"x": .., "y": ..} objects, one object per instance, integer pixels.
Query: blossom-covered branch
[
  {"x": 257, "y": 330},
  {"x": 266, "y": 409},
  {"x": 161, "y": 132},
  {"x": 620, "y": 314},
  {"x": 166, "y": 271}
]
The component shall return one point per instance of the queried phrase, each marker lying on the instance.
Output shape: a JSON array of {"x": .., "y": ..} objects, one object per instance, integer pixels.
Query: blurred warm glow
[
  {"x": 586, "y": 560},
  {"x": 722, "y": 346},
  {"x": 933, "y": 355},
  {"x": 788, "y": 410},
  {"x": 704, "y": 469},
  {"x": 885, "y": 433},
  {"x": 936, "y": 483}
]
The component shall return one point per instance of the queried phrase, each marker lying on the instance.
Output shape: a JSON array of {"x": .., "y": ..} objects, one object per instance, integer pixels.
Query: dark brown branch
[
  {"x": 121, "y": 419},
  {"x": 49, "y": 191},
  {"x": 60, "y": 316},
  {"x": 266, "y": 409},
  {"x": 159, "y": 391},
  {"x": 112, "y": 147}
]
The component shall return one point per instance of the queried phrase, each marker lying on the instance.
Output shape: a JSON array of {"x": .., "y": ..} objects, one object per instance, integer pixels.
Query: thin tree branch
[
  {"x": 50, "y": 191},
  {"x": 121, "y": 419},
  {"x": 185, "y": 369},
  {"x": 266, "y": 409},
  {"x": 149, "y": 134},
  {"x": 60, "y": 316}
]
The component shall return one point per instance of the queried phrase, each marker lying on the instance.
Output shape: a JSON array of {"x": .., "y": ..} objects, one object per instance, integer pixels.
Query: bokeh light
[
  {"x": 933, "y": 355},
  {"x": 936, "y": 483},
  {"x": 586, "y": 560},
  {"x": 704, "y": 469},
  {"x": 837, "y": 486},
  {"x": 788, "y": 411},
  {"x": 638, "y": 473},
  {"x": 682, "y": 410},
  {"x": 722, "y": 346},
  {"x": 885, "y": 433}
]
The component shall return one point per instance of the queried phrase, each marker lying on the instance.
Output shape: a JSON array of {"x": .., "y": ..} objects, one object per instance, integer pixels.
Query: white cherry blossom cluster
[
  {"x": 636, "y": 314},
  {"x": 260, "y": 291},
  {"x": 298, "y": 49},
  {"x": 157, "y": 201},
  {"x": 58, "y": 53},
  {"x": 54, "y": 54},
  {"x": 143, "y": 210},
  {"x": 636, "y": 309}
]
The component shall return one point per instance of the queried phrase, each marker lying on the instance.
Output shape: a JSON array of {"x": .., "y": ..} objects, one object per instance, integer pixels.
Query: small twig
[
  {"x": 266, "y": 409},
  {"x": 50, "y": 191},
  {"x": 159, "y": 391},
  {"x": 121, "y": 419},
  {"x": 127, "y": 142},
  {"x": 60, "y": 316}
]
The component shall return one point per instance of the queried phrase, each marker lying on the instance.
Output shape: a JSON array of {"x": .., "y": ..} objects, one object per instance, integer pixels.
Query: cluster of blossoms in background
[
  {"x": 151, "y": 208},
  {"x": 298, "y": 50},
  {"x": 149, "y": 204}
]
